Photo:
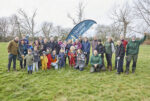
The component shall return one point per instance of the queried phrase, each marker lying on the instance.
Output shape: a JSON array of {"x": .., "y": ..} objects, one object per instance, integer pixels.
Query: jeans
[
  {"x": 119, "y": 64},
  {"x": 22, "y": 65},
  {"x": 29, "y": 68},
  {"x": 87, "y": 58},
  {"x": 55, "y": 65},
  {"x": 35, "y": 64},
  {"x": 10, "y": 58},
  {"x": 108, "y": 58}
]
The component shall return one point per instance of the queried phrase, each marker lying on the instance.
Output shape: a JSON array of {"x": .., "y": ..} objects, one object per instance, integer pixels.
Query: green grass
[{"x": 72, "y": 85}]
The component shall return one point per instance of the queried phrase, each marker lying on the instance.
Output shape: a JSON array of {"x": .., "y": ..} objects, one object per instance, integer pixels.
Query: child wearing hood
[{"x": 44, "y": 61}]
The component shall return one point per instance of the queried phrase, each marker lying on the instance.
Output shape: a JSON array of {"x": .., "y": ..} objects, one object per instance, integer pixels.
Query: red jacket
[
  {"x": 72, "y": 56},
  {"x": 124, "y": 42},
  {"x": 49, "y": 61}
]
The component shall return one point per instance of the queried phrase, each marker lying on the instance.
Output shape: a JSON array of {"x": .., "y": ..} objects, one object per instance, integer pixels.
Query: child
[
  {"x": 36, "y": 58},
  {"x": 120, "y": 52},
  {"x": 44, "y": 61},
  {"x": 61, "y": 57},
  {"x": 54, "y": 59},
  {"x": 72, "y": 56},
  {"x": 49, "y": 58},
  {"x": 29, "y": 60},
  {"x": 80, "y": 60},
  {"x": 30, "y": 46}
]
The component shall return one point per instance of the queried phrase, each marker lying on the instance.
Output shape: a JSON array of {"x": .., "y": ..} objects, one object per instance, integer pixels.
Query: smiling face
[{"x": 95, "y": 53}]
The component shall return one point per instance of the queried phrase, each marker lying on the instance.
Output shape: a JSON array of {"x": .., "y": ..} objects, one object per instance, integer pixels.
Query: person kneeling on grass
[
  {"x": 54, "y": 60},
  {"x": 132, "y": 52},
  {"x": 80, "y": 60},
  {"x": 29, "y": 60},
  {"x": 120, "y": 52},
  {"x": 96, "y": 62},
  {"x": 44, "y": 60},
  {"x": 61, "y": 57}
]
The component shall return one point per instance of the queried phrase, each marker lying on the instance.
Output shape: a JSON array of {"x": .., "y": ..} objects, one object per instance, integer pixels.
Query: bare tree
[
  {"x": 142, "y": 9},
  {"x": 4, "y": 25},
  {"x": 122, "y": 17},
  {"x": 79, "y": 14},
  {"x": 28, "y": 23},
  {"x": 47, "y": 29}
]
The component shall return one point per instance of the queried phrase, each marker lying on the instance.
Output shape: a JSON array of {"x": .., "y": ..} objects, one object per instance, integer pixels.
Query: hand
[
  {"x": 126, "y": 56},
  {"x": 118, "y": 58}
]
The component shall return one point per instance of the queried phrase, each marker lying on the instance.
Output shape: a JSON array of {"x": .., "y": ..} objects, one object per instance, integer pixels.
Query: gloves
[{"x": 118, "y": 58}]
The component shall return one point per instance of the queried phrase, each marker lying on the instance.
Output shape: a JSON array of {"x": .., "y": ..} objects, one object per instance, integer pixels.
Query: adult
[
  {"x": 86, "y": 49},
  {"x": 132, "y": 52},
  {"x": 13, "y": 52},
  {"x": 124, "y": 42},
  {"x": 52, "y": 44},
  {"x": 109, "y": 49},
  {"x": 101, "y": 50},
  {"x": 37, "y": 44},
  {"x": 77, "y": 44},
  {"x": 80, "y": 39},
  {"x": 41, "y": 41},
  {"x": 22, "y": 52},
  {"x": 24, "y": 38},
  {"x": 45, "y": 45},
  {"x": 96, "y": 62},
  {"x": 120, "y": 52},
  {"x": 94, "y": 43}
]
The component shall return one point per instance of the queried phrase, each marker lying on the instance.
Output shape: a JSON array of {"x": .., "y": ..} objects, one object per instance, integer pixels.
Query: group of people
[{"x": 47, "y": 54}]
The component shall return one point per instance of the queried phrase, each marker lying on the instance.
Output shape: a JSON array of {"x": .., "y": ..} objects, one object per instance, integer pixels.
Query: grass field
[{"x": 72, "y": 85}]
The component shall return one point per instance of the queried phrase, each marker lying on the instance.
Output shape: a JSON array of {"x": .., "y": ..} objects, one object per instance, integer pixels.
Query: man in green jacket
[
  {"x": 96, "y": 62},
  {"x": 12, "y": 53},
  {"x": 132, "y": 52}
]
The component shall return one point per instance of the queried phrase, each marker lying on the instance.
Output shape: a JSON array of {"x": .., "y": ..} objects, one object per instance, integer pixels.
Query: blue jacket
[{"x": 86, "y": 46}]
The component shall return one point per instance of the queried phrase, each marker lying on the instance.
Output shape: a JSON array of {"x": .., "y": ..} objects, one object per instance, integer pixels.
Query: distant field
[{"x": 72, "y": 85}]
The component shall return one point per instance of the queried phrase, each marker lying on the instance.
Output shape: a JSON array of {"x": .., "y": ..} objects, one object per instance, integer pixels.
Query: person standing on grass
[
  {"x": 132, "y": 52},
  {"x": 44, "y": 60},
  {"x": 124, "y": 42},
  {"x": 109, "y": 49},
  {"x": 101, "y": 50},
  {"x": 94, "y": 43},
  {"x": 120, "y": 52},
  {"x": 22, "y": 52},
  {"x": 13, "y": 52},
  {"x": 96, "y": 62},
  {"x": 72, "y": 56},
  {"x": 86, "y": 49},
  {"x": 29, "y": 61},
  {"x": 36, "y": 58}
]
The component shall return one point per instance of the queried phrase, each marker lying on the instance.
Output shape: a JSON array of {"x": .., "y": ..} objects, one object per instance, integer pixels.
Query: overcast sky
[{"x": 56, "y": 10}]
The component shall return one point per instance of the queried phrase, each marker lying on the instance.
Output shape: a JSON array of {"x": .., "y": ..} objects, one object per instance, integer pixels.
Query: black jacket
[
  {"x": 100, "y": 49},
  {"x": 45, "y": 46},
  {"x": 120, "y": 51}
]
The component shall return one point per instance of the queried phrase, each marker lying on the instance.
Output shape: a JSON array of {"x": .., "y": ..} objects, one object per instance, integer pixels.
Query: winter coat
[
  {"x": 29, "y": 59},
  {"x": 13, "y": 47},
  {"x": 86, "y": 47},
  {"x": 22, "y": 50},
  {"x": 120, "y": 51},
  {"x": 96, "y": 60},
  {"x": 77, "y": 45},
  {"x": 133, "y": 46},
  {"x": 36, "y": 56},
  {"x": 94, "y": 44},
  {"x": 80, "y": 59},
  {"x": 100, "y": 49},
  {"x": 108, "y": 48}
]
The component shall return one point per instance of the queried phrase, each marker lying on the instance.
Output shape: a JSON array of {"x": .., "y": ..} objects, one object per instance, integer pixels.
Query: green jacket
[
  {"x": 133, "y": 46},
  {"x": 96, "y": 60},
  {"x": 13, "y": 47},
  {"x": 108, "y": 48},
  {"x": 29, "y": 59}
]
